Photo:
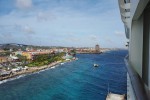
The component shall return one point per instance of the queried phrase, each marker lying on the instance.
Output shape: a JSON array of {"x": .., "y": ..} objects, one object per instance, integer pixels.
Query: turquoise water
[{"x": 77, "y": 80}]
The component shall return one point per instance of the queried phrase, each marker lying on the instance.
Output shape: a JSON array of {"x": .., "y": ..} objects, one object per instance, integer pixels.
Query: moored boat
[{"x": 95, "y": 65}]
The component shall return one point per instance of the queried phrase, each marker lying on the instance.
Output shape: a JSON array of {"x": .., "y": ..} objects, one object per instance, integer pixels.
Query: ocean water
[{"x": 77, "y": 80}]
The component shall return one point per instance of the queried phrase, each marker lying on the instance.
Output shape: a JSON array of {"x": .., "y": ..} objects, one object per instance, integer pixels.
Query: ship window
[
  {"x": 127, "y": 10},
  {"x": 126, "y": 1}
]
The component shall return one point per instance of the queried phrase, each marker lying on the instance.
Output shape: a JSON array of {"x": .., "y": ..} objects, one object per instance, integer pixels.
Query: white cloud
[
  {"x": 27, "y": 29},
  {"x": 73, "y": 39},
  {"x": 119, "y": 33},
  {"x": 71, "y": 23},
  {"x": 108, "y": 40},
  {"x": 93, "y": 37},
  {"x": 6, "y": 35},
  {"x": 45, "y": 15},
  {"x": 24, "y": 4},
  {"x": 42, "y": 16}
]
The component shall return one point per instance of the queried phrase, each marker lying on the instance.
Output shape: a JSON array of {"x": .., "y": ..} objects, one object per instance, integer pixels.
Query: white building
[{"x": 135, "y": 15}]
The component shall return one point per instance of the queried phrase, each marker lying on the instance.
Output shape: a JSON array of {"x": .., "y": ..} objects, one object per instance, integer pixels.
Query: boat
[
  {"x": 61, "y": 63},
  {"x": 113, "y": 96},
  {"x": 95, "y": 65},
  {"x": 76, "y": 58}
]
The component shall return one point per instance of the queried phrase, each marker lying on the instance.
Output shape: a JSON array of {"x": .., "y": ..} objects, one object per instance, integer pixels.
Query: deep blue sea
[{"x": 76, "y": 80}]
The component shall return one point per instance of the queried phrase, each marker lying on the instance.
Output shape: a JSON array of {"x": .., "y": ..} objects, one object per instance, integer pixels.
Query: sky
[{"x": 72, "y": 23}]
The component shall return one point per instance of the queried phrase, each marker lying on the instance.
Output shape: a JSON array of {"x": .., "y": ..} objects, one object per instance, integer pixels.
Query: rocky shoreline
[{"x": 30, "y": 70}]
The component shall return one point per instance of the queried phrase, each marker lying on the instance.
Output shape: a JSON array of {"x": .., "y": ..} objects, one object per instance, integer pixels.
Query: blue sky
[{"x": 78, "y": 23}]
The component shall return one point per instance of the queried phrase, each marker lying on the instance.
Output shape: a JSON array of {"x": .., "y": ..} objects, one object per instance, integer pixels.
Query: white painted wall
[{"x": 136, "y": 45}]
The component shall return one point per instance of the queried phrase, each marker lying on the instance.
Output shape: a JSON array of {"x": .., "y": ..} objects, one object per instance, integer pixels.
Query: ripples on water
[{"x": 77, "y": 80}]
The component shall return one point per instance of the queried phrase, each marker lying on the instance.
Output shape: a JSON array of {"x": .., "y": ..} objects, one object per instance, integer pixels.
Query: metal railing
[{"x": 136, "y": 81}]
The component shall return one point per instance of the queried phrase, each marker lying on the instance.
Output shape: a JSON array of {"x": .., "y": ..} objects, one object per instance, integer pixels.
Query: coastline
[
  {"x": 88, "y": 53},
  {"x": 40, "y": 68},
  {"x": 103, "y": 50},
  {"x": 30, "y": 71}
]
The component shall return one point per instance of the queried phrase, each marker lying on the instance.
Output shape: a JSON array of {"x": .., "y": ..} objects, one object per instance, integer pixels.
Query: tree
[
  {"x": 73, "y": 52},
  {"x": 22, "y": 58}
]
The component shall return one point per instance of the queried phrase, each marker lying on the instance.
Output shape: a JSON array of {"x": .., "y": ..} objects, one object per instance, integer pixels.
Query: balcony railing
[{"x": 137, "y": 83}]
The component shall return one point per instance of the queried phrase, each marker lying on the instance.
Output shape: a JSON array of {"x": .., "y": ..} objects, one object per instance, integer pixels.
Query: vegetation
[
  {"x": 6, "y": 49},
  {"x": 45, "y": 59},
  {"x": 73, "y": 52},
  {"x": 23, "y": 59},
  {"x": 6, "y": 53}
]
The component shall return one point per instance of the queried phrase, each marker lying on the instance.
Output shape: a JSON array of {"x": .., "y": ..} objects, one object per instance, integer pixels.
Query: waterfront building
[
  {"x": 3, "y": 59},
  {"x": 135, "y": 15},
  {"x": 18, "y": 52},
  {"x": 4, "y": 73},
  {"x": 97, "y": 48},
  {"x": 10, "y": 49},
  {"x": 28, "y": 55},
  {"x": 1, "y": 51},
  {"x": 68, "y": 56},
  {"x": 13, "y": 57}
]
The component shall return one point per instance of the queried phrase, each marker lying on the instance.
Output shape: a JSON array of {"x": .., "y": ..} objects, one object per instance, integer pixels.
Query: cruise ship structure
[{"x": 135, "y": 15}]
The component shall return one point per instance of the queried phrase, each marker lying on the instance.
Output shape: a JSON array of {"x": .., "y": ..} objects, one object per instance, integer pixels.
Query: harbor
[{"x": 79, "y": 79}]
